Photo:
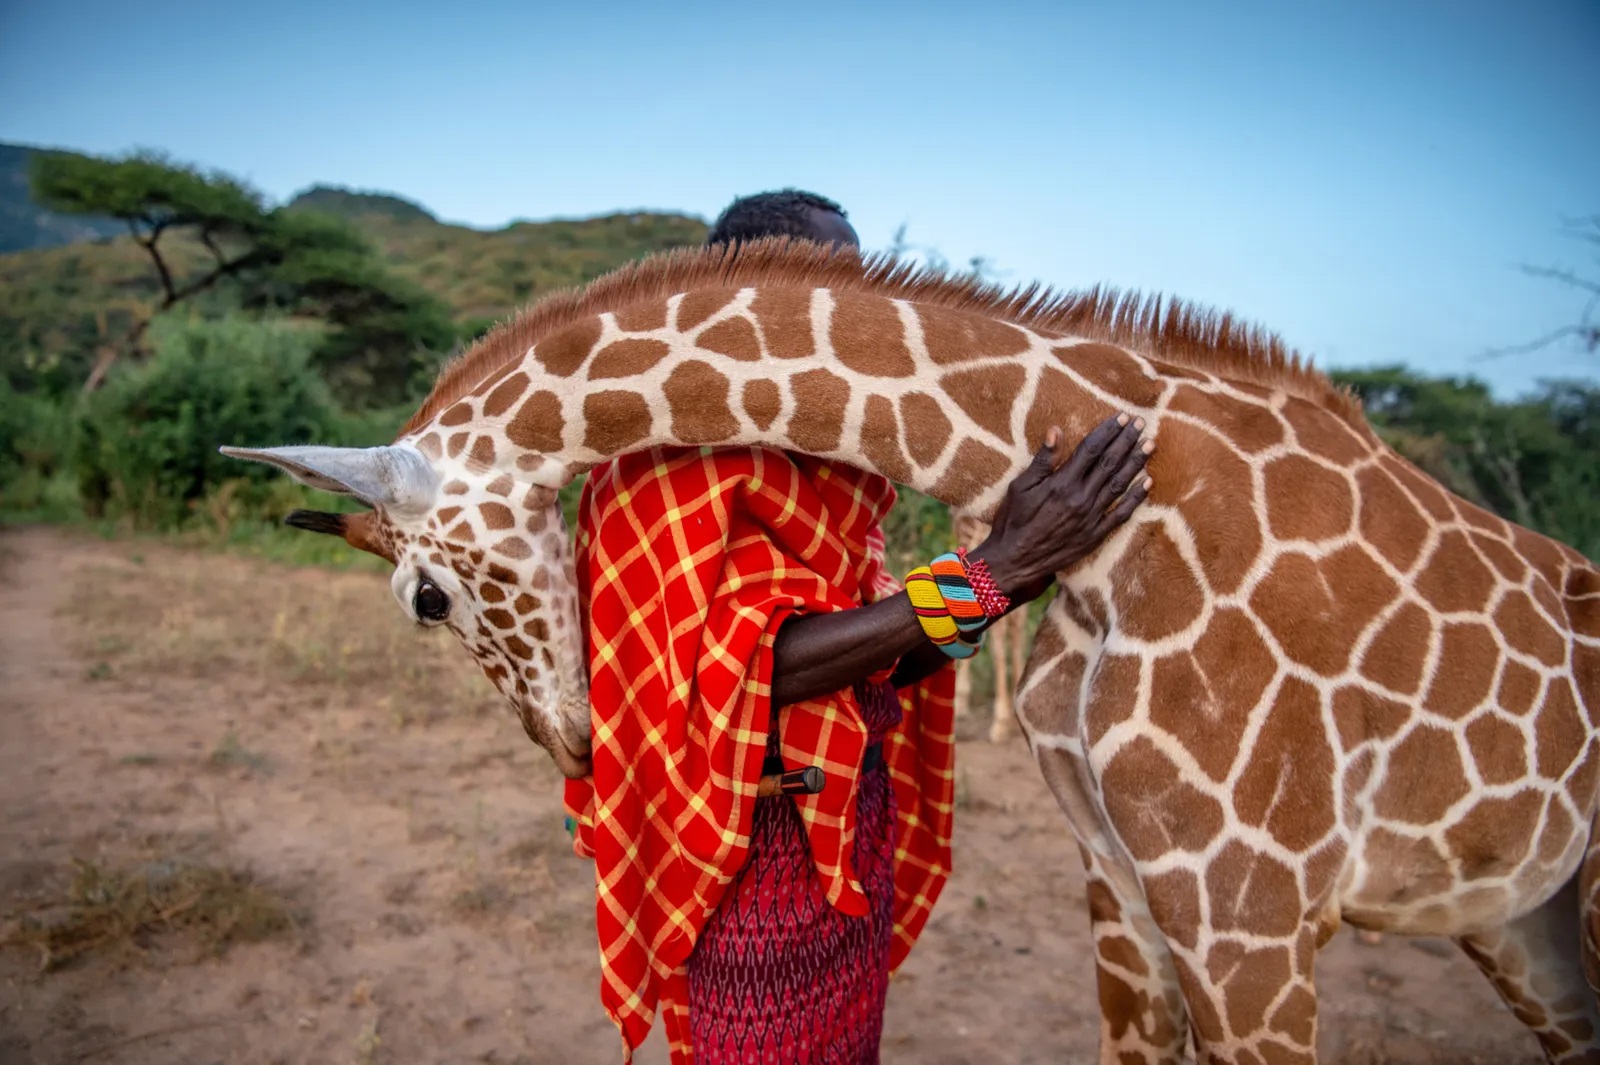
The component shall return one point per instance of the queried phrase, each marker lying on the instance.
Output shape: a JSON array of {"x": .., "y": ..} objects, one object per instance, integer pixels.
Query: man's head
[{"x": 787, "y": 213}]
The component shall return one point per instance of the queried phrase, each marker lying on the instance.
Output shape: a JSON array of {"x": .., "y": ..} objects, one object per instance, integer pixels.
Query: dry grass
[
  {"x": 214, "y": 616},
  {"x": 120, "y": 911}
]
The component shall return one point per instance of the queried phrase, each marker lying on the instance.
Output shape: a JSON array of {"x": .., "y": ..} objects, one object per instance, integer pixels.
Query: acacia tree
[
  {"x": 300, "y": 261},
  {"x": 1586, "y": 330}
]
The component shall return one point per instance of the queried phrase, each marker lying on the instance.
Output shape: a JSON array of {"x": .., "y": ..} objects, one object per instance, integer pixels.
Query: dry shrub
[{"x": 120, "y": 911}]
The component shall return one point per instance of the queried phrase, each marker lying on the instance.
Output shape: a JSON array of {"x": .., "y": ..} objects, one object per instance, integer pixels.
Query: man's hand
[{"x": 1055, "y": 514}]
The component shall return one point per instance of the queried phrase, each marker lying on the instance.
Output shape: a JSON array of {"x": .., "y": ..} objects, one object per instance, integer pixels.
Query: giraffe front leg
[
  {"x": 1536, "y": 964},
  {"x": 1142, "y": 1016}
]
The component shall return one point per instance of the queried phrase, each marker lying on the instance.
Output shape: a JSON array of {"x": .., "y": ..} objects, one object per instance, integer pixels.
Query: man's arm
[{"x": 1052, "y": 516}]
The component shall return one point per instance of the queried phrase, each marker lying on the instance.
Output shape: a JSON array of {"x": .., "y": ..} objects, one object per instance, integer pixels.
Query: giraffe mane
[{"x": 1160, "y": 328}]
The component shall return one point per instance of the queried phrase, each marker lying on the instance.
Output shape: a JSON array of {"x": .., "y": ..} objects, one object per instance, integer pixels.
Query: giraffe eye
[{"x": 430, "y": 603}]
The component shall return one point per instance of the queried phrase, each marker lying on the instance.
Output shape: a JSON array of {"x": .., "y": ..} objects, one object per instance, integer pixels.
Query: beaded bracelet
[
  {"x": 929, "y": 603},
  {"x": 990, "y": 597}
]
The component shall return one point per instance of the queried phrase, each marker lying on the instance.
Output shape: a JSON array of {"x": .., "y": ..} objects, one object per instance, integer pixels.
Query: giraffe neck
[{"x": 948, "y": 402}]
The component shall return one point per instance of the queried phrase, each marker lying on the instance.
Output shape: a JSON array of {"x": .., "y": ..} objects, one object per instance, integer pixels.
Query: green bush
[
  {"x": 36, "y": 434},
  {"x": 147, "y": 442}
]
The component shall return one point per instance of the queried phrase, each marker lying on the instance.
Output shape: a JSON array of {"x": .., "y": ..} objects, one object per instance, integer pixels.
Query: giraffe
[
  {"x": 1006, "y": 639},
  {"x": 1303, "y": 685}
]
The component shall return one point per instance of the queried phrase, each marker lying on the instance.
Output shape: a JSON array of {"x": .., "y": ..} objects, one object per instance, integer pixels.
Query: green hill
[
  {"x": 64, "y": 296},
  {"x": 24, "y": 224}
]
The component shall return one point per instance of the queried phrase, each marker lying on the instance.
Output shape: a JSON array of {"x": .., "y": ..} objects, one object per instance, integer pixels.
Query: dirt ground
[{"x": 159, "y": 706}]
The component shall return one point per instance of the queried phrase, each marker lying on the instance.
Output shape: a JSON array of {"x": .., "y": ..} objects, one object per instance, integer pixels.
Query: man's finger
[
  {"x": 1126, "y": 472},
  {"x": 1094, "y": 445},
  {"x": 1043, "y": 460},
  {"x": 1125, "y": 443},
  {"x": 1124, "y": 509}
]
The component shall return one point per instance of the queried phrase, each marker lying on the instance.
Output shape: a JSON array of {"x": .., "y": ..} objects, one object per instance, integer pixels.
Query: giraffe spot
[
  {"x": 1322, "y": 870},
  {"x": 1324, "y": 433},
  {"x": 431, "y": 446},
  {"x": 1155, "y": 592},
  {"x": 1578, "y": 1028},
  {"x": 1174, "y": 899},
  {"x": 1215, "y": 494},
  {"x": 1252, "y": 892},
  {"x": 497, "y": 516},
  {"x": 1199, "y": 997},
  {"x": 762, "y": 402},
  {"x": 868, "y": 336},
  {"x": 1047, "y": 710},
  {"x": 1113, "y": 693},
  {"x": 1545, "y": 597},
  {"x": 1559, "y": 733},
  {"x": 1395, "y": 657},
  {"x": 1556, "y": 835},
  {"x": 642, "y": 317},
  {"x": 1542, "y": 553},
  {"x": 1454, "y": 578},
  {"x": 960, "y": 336},
  {"x": 1523, "y": 628},
  {"x": 1234, "y": 658},
  {"x": 564, "y": 351},
  {"x": 1114, "y": 371},
  {"x": 541, "y": 579},
  {"x": 505, "y": 395},
  {"x": 1468, "y": 657},
  {"x": 482, "y": 454},
  {"x": 457, "y": 443},
  {"x": 880, "y": 441},
  {"x": 697, "y": 395},
  {"x": 1182, "y": 704},
  {"x": 614, "y": 421},
  {"x": 1103, "y": 904},
  {"x": 516, "y": 646},
  {"x": 927, "y": 427},
  {"x": 500, "y": 486},
  {"x": 1402, "y": 869},
  {"x": 500, "y": 619},
  {"x": 456, "y": 488},
  {"x": 1287, "y": 785},
  {"x": 1122, "y": 953},
  {"x": 1249, "y": 426},
  {"x": 1296, "y": 1018},
  {"x": 1390, "y": 521},
  {"x": 1501, "y": 557},
  {"x": 513, "y": 547},
  {"x": 700, "y": 305},
  {"x": 446, "y": 515},
  {"x": 987, "y": 395},
  {"x": 538, "y": 423},
  {"x": 1153, "y": 809},
  {"x": 526, "y": 602},
  {"x": 785, "y": 317},
  {"x": 537, "y": 521},
  {"x": 1360, "y": 716},
  {"x": 1495, "y": 835},
  {"x": 1498, "y": 750},
  {"x": 1422, "y": 488},
  {"x": 1059, "y": 400},
  {"x": 1425, "y": 778},
  {"x": 1519, "y": 688},
  {"x": 497, "y": 572},
  {"x": 463, "y": 532},
  {"x": 817, "y": 422},
  {"x": 538, "y": 628},
  {"x": 492, "y": 593},
  {"x": 1306, "y": 500},
  {"x": 544, "y": 653},
  {"x": 456, "y": 414},
  {"x": 973, "y": 469},
  {"x": 627, "y": 358},
  {"x": 733, "y": 337},
  {"x": 1317, "y": 608}
]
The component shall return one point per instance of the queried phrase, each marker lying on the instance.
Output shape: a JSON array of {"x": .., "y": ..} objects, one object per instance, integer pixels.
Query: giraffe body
[{"x": 1303, "y": 685}]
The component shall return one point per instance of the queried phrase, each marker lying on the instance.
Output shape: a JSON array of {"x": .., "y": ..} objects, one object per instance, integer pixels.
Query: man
[{"x": 729, "y": 640}]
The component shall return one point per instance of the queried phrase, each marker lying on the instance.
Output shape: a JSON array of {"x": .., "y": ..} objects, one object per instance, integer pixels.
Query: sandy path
[{"x": 446, "y": 919}]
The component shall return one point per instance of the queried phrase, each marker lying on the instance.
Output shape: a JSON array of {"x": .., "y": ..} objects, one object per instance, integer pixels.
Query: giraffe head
[{"x": 476, "y": 551}]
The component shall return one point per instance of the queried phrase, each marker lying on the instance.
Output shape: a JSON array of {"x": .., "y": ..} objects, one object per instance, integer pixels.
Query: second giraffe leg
[{"x": 1536, "y": 965}]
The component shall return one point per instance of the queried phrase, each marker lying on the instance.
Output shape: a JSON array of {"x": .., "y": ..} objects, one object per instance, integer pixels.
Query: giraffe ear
[{"x": 397, "y": 479}]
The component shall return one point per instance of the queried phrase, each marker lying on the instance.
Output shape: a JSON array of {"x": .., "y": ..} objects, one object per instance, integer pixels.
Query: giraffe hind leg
[{"x": 1537, "y": 964}]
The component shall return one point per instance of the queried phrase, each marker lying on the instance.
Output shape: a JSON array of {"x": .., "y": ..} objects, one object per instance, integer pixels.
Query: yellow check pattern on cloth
[{"x": 691, "y": 559}]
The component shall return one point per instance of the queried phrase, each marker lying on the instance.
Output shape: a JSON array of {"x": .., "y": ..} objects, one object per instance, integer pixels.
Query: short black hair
[{"x": 769, "y": 214}]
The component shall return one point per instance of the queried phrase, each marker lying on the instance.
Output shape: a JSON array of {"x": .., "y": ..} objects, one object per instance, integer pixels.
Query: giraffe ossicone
[{"x": 1304, "y": 684}]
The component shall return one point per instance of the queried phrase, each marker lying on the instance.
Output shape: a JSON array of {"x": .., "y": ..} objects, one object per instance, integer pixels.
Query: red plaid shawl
[{"x": 692, "y": 558}]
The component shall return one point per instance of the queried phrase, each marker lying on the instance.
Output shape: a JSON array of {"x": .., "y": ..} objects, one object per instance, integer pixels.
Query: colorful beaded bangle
[
  {"x": 929, "y": 603},
  {"x": 959, "y": 598},
  {"x": 990, "y": 597}
]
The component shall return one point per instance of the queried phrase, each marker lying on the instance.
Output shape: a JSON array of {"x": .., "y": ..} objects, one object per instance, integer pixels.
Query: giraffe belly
[{"x": 1415, "y": 884}]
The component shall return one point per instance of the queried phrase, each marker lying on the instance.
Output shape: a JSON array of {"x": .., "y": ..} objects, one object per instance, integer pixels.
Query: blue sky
[{"x": 1364, "y": 178}]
